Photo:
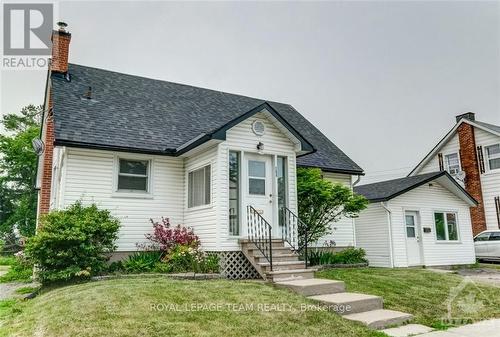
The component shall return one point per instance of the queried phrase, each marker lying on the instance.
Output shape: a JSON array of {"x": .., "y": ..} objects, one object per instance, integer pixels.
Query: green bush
[
  {"x": 73, "y": 243},
  {"x": 349, "y": 255},
  {"x": 142, "y": 262},
  {"x": 20, "y": 269}
]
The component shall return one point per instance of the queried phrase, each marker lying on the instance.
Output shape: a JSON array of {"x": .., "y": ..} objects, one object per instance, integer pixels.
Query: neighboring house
[
  {"x": 422, "y": 220},
  {"x": 146, "y": 148},
  {"x": 470, "y": 152}
]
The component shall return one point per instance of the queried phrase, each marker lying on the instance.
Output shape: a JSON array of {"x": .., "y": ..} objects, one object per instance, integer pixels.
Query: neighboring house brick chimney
[
  {"x": 470, "y": 164},
  {"x": 59, "y": 64}
]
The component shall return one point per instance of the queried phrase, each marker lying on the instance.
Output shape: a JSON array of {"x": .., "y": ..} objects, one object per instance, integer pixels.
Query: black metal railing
[
  {"x": 260, "y": 234},
  {"x": 294, "y": 231}
]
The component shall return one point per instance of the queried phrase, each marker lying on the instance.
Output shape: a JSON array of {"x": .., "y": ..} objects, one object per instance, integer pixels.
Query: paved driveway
[{"x": 482, "y": 275}]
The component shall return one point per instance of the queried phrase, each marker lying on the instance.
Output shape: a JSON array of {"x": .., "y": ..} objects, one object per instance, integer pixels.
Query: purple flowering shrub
[{"x": 165, "y": 236}]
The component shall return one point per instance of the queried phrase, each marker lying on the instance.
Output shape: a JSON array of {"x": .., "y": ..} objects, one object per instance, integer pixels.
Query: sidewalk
[{"x": 489, "y": 328}]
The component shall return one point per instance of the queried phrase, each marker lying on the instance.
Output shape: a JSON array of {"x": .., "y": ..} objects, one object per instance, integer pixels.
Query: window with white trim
[
  {"x": 133, "y": 175},
  {"x": 199, "y": 187},
  {"x": 446, "y": 226},
  {"x": 452, "y": 163},
  {"x": 493, "y": 156}
]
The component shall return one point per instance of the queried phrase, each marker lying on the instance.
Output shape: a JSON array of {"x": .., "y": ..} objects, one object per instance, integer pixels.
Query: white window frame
[
  {"x": 447, "y": 240},
  {"x": 199, "y": 167},
  {"x": 133, "y": 193},
  {"x": 487, "y": 158},
  {"x": 258, "y": 178},
  {"x": 447, "y": 167}
]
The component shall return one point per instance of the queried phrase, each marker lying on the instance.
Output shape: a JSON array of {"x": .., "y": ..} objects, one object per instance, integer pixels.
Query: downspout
[
  {"x": 389, "y": 225},
  {"x": 356, "y": 181},
  {"x": 354, "y": 241}
]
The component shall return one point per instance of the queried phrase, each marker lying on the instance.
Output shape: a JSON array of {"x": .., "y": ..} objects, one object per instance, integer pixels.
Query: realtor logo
[{"x": 27, "y": 28}]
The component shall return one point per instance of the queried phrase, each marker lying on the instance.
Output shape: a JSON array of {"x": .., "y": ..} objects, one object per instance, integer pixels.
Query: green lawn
[
  {"x": 145, "y": 307},
  {"x": 422, "y": 293}
]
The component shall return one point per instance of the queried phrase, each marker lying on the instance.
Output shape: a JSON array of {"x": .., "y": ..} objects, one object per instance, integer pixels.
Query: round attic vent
[{"x": 258, "y": 128}]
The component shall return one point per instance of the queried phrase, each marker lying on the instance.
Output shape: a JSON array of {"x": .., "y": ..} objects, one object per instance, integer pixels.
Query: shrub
[
  {"x": 20, "y": 269},
  {"x": 165, "y": 237},
  {"x": 349, "y": 255},
  {"x": 73, "y": 243},
  {"x": 183, "y": 258},
  {"x": 141, "y": 262}
]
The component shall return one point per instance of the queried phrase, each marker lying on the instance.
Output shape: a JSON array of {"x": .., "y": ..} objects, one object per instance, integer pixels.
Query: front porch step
[
  {"x": 381, "y": 318},
  {"x": 284, "y": 265},
  {"x": 349, "y": 303},
  {"x": 277, "y": 258},
  {"x": 276, "y": 251},
  {"x": 274, "y": 242},
  {"x": 290, "y": 275},
  {"x": 314, "y": 286}
]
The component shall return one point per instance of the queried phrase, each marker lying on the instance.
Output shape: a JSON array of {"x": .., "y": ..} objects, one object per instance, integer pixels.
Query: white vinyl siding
[
  {"x": 203, "y": 219},
  {"x": 452, "y": 146},
  {"x": 372, "y": 234},
  {"x": 89, "y": 176},
  {"x": 242, "y": 138},
  {"x": 427, "y": 200},
  {"x": 342, "y": 231},
  {"x": 490, "y": 180}
]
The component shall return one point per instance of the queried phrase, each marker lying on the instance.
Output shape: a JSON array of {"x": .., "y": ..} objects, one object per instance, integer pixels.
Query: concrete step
[
  {"x": 275, "y": 243},
  {"x": 278, "y": 258},
  {"x": 289, "y": 275},
  {"x": 314, "y": 286},
  {"x": 349, "y": 303},
  {"x": 381, "y": 318},
  {"x": 284, "y": 265},
  {"x": 276, "y": 250}
]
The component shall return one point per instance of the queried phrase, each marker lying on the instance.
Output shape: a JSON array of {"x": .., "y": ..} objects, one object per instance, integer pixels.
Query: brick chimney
[
  {"x": 60, "y": 48},
  {"x": 470, "y": 164},
  {"x": 59, "y": 64}
]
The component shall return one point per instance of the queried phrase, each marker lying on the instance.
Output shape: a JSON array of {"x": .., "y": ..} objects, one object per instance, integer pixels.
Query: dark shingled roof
[
  {"x": 386, "y": 190},
  {"x": 138, "y": 114}
]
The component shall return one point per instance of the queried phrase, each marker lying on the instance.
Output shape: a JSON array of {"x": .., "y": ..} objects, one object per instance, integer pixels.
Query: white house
[
  {"x": 146, "y": 148},
  {"x": 421, "y": 220},
  {"x": 470, "y": 152}
]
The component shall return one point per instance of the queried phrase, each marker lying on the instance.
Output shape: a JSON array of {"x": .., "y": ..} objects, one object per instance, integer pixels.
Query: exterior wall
[
  {"x": 427, "y": 199},
  {"x": 343, "y": 230},
  {"x": 241, "y": 138},
  {"x": 89, "y": 175},
  {"x": 452, "y": 146},
  {"x": 372, "y": 234},
  {"x": 204, "y": 219},
  {"x": 490, "y": 180}
]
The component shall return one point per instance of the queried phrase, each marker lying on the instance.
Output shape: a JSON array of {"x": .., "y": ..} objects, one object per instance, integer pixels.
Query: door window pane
[
  {"x": 410, "y": 226},
  {"x": 257, "y": 186},
  {"x": 257, "y": 168},
  {"x": 410, "y": 232},
  {"x": 451, "y": 221},
  {"x": 482, "y": 237},
  {"x": 440, "y": 226},
  {"x": 495, "y": 236},
  {"x": 234, "y": 193}
]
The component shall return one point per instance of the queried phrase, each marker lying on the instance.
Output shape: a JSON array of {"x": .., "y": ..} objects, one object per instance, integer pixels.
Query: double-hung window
[
  {"x": 446, "y": 226},
  {"x": 199, "y": 187},
  {"x": 133, "y": 175},
  {"x": 452, "y": 163},
  {"x": 493, "y": 156}
]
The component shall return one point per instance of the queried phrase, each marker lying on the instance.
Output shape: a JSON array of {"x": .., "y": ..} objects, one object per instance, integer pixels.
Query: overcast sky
[{"x": 383, "y": 80}]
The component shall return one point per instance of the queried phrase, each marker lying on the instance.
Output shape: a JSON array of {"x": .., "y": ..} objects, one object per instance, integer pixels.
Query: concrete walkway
[{"x": 489, "y": 328}]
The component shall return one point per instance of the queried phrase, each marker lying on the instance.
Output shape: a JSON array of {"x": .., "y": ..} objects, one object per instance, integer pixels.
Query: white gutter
[{"x": 389, "y": 225}]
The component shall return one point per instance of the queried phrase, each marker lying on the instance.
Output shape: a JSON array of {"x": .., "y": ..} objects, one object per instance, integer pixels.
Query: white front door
[
  {"x": 259, "y": 193},
  {"x": 413, "y": 248}
]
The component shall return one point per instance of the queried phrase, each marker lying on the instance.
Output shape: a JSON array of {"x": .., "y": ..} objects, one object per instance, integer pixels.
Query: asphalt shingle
[{"x": 142, "y": 114}]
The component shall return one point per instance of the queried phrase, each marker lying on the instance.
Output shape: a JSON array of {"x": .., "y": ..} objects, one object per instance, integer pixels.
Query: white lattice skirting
[{"x": 235, "y": 266}]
